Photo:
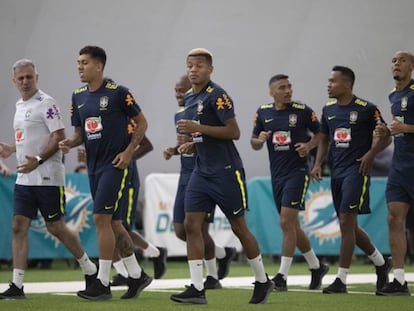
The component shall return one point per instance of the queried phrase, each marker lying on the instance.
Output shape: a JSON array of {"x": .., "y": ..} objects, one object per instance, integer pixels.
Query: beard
[{"x": 397, "y": 77}]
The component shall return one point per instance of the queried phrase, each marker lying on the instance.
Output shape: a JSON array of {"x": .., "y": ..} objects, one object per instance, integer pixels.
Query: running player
[
  {"x": 218, "y": 176},
  {"x": 224, "y": 255},
  {"x": 101, "y": 112},
  {"x": 284, "y": 126},
  {"x": 400, "y": 185},
  {"x": 347, "y": 128}
]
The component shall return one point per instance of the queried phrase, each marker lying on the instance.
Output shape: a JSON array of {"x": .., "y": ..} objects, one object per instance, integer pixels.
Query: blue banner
[
  {"x": 78, "y": 217},
  {"x": 319, "y": 220}
]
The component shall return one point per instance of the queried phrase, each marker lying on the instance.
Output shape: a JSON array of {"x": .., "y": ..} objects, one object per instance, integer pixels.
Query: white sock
[
  {"x": 285, "y": 263},
  {"x": 104, "y": 271},
  {"x": 377, "y": 258},
  {"x": 258, "y": 269},
  {"x": 18, "y": 276},
  {"x": 399, "y": 275},
  {"x": 132, "y": 266},
  {"x": 87, "y": 266},
  {"x": 211, "y": 267},
  {"x": 342, "y": 274},
  {"x": 151, "y": 251},
  {"x": 311, "y": 259},
  {"x": 196, "y": 273},
  {"x": 219, "y": 251},
  {"x": 120, "y": 268}
]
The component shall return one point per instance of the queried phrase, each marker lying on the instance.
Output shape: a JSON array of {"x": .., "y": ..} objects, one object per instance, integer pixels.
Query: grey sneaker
[
  {"x": 280, "y": 283},
  {"x": 190, "y": 295}
]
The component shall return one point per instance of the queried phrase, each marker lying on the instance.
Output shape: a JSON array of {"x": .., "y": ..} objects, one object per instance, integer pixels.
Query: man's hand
[
  {"x": 65, "y": 145},
  {"x": 168, "y": 152},
  {"x": 28, "y": 166}
]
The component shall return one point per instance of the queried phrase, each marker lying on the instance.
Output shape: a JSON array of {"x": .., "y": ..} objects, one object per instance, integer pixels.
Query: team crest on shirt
[
  {"x": 103, "y": 103},
  {"x": 353, "y": 116},
  {"x": 293, "y": 119},
  {"x": 200, "y": 107},
  {"x": 27, "y": 114},
  {"x": 404, "y": 103}
]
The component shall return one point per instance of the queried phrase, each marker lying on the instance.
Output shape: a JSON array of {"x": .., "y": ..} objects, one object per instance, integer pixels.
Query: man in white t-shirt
[{"x": 38, "y": 128}]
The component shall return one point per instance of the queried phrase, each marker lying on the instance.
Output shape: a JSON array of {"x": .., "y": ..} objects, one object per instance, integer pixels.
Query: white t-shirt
[{"x": 34, "y": 120}]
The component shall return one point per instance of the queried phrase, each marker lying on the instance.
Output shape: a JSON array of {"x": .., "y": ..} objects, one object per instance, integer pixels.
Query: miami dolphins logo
[
  {"x": 78, "y": 214},
  {"x": 319, "y": 218}
]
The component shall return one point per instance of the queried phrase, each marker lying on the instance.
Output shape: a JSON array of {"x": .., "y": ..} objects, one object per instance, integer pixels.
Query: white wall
[{"x": 147, "y": 41}]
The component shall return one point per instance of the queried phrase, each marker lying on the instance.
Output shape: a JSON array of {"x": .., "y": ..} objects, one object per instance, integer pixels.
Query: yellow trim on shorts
[
  {"x": 305, "y": 189},
  {"x": 364, "y": 190},
  {"x": 130, "y": 205},
  {"x": 121, "y": 189},
  {"x": 242, "y": 188},
  {"x": 62, "y": 199}
]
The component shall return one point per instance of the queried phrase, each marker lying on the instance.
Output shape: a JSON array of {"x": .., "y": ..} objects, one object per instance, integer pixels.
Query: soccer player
[
  {"x": 400, "y": 186},
  {"x": 100, "y": 114},
  {"x": 129, "y": 204},
  {"x": 224, "y": 255},
  {"x": 347, "y": 132},
  {"x": 218, "y": 176},
  {"x": 284, "y": 126},
  {"x": 38, "y": 128}
]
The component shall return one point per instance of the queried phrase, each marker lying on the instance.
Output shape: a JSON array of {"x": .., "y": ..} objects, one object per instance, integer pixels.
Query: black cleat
[
  {"x": 317, "y": 276},
  {"x": 160, "y": 263},
  {"x": 224, "y": 263},
  {"x": 280, "y": 283},
  {"x": 190, "y": 295},
  {"x": 119, "y": 280},
  {"x": 382, "y": 273},
  {"x": 337, "y": 287},
  {"x": 13, "y": 292},
  {"x": 394, "y": 289},
  {"x": 96, "y": 291},
  {"x": 136, "y": 286},
  {"x": 212, "y": 283},
  {"x": 261, "y": 291}
]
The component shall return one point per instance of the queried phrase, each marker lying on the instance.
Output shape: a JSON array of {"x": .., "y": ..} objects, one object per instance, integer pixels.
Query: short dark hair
[
  {"x": 277, "y": 78},
  {"x": 95, "y": 52},
  {"x": 346, "y": 72}
]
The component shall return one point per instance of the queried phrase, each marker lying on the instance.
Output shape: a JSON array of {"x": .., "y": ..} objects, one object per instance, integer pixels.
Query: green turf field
[{"x": 361, "y": 297}]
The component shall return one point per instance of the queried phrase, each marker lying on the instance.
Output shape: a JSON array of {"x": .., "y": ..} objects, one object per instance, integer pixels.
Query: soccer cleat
[
  {"x": 394, "y": 289},
  {"x": 119, "y": 280},
  {"x": 96, "y": 291},
  {"x": 212, "y": 283},
  {"x": 224, "y": 263},
  {"x": 13, "y": 292},
  {"x": 261, "y": 291},
  {"x": 190, "y": 295},
  {"x": 317, "y": 276},
  {"x": 160, "y": 263},
  {"x": 382, "y": 273},
  {"x": 280, "y": 283},
  {"x": 337, "y": 287},
  {"x": 136, "y": 286}
]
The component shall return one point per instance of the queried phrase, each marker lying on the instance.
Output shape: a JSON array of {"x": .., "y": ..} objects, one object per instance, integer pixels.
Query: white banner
[{"x": 160, "y": 190}]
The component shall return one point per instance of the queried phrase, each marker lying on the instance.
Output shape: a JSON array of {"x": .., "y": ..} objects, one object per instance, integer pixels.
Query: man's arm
[
  {"x": 230, "y": 129},
  {"x": 321, "y": 153},
  {"x": 144, "y": 147},
  {"x": 77, "y": 139}
]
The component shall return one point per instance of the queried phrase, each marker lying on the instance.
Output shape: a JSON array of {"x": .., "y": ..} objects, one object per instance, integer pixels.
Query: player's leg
[
  {"x": 211, "y": 281},
  {"x": 137, "y": 278}
]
